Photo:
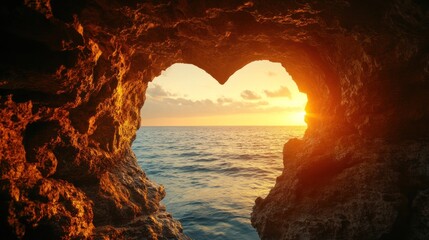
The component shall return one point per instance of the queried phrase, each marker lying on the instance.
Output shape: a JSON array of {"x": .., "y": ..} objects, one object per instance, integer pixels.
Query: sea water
[{"x": 213, "y": 175}]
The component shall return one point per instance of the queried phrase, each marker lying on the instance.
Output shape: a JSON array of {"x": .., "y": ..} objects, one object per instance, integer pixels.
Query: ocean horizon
[
  {"x": 213, "y": 174},
  {"x": 223, "y": 126}
]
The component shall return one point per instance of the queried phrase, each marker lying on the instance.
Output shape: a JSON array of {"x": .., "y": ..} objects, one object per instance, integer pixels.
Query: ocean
[{"x": 213, "y": 175}]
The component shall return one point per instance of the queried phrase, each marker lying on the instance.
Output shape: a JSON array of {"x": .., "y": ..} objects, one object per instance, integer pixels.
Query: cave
[{"x": 72, "y": 77}]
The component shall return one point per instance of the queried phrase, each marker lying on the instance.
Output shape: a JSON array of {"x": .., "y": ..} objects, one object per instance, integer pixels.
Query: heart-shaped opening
[{"x": 216, "y": 148}]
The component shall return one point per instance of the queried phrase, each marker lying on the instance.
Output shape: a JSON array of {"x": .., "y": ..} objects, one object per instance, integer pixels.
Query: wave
[{"x": 213, "y": 175}]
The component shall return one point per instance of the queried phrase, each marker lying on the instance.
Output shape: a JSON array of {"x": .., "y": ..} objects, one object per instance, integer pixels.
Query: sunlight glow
[{"x": 261, "y": 93}]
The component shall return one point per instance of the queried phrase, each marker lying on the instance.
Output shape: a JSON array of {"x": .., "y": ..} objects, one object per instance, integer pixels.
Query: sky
[{"x": 262, "y": 93}]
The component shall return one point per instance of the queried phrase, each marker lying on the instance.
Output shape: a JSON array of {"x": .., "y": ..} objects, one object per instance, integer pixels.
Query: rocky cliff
[{"x": 73, "y": 75}]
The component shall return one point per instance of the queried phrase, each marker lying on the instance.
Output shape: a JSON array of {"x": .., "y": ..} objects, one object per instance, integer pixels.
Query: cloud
[
  {"x": 187, "y": 102},
  {"x": 182, "y": 107},
  {"x": 156, "y": 91},
  {"x": 224, "y": 100},
  {"x": 263, "y": 103},
  {"x": 249, "y": 95},
  {"x": 271, "y": 74},
  {"x": 282, "y": 92}
]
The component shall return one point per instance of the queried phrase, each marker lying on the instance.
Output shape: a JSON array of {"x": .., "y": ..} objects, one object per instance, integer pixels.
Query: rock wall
[{"x": 73, "y": 75}]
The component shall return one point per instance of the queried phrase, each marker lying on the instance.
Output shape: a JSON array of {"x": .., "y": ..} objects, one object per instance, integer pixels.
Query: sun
[
  {"x": 302, "y": 115},
  {"x": 296, "y": 119}
]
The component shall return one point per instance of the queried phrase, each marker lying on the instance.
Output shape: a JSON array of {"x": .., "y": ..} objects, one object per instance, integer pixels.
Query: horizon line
[{"x": 223, "y": 126}]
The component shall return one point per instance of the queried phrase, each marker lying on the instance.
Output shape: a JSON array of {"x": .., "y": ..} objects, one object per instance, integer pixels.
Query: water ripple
[{"x": 211, "y": 185}]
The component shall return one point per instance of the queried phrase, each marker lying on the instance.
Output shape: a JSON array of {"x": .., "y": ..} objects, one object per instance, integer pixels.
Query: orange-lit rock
[{"x": 73, "y": 78}]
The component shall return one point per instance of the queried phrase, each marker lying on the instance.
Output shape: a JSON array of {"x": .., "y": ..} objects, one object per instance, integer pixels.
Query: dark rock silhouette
[{"x": 74, "y": 73}]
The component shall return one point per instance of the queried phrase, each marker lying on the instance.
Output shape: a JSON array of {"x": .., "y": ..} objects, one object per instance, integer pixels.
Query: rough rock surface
[{"x": 73, "y": 75}]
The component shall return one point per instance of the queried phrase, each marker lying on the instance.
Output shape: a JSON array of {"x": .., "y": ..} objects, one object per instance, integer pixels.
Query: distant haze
[{"x": 261, "y": 93}]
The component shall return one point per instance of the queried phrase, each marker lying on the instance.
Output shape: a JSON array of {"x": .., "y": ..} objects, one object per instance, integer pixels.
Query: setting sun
[{"x": 261, "y": 93}]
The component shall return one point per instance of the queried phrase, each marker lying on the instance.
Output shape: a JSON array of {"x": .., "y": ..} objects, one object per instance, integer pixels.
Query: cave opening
[{"x": 216, "y": 148}]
